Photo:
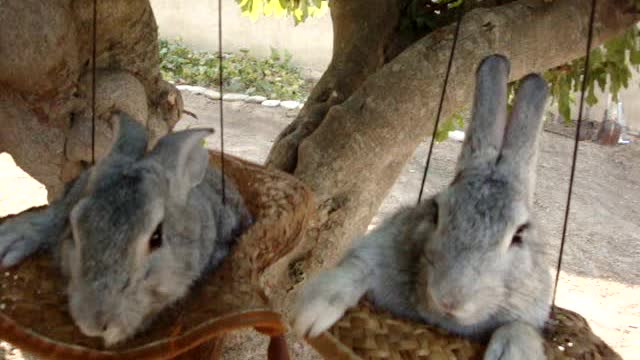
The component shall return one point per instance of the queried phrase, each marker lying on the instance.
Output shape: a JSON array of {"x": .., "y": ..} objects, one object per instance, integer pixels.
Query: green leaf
[
  {"x": 609, "y": 69},
  {"x": 564, "y": 107},
  {"x": 634, "y": 57}
]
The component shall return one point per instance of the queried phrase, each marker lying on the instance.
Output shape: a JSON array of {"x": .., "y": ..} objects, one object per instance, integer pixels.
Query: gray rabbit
[
  {"x": 134, "y": 232},
  {"x": 469, "y": 258}
]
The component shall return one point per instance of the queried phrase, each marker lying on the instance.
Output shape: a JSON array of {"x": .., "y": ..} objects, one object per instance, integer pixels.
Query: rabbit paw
[
  {"x": 516, "y": 340},
  {"x": 324, "y": 300},
  {"x": 19, "y": 238}
]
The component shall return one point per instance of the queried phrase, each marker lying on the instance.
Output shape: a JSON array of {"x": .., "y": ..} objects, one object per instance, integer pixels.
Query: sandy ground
[{"x": 600, "y": 276}]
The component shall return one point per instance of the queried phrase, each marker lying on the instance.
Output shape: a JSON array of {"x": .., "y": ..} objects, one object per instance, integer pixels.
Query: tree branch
[{"x": 358, "y": 150}]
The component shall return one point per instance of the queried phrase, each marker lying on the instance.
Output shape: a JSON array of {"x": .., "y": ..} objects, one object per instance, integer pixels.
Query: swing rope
[
  {"x": 442, "y": 95},
  {"x": 583, "y": 90},
  {"x": 220, "y": 77},
  {"x": 93, "y": 83}
]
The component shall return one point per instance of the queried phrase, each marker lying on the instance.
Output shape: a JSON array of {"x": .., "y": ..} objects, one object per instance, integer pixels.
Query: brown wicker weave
[
  {"x": 366, "y": 333},
  {"x": 33, "y": 310}
]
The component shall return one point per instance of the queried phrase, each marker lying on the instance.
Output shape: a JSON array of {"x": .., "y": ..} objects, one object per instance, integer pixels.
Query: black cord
[
  {"x": 442, "y": 95},
  {"x": 93, "y": 84},
  {"x": 221, "y": 102},
  {"x": 575, "y": 147}
]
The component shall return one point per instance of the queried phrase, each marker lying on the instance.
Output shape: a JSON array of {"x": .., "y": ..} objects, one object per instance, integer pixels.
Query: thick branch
[{"x": 355, "y": 155}]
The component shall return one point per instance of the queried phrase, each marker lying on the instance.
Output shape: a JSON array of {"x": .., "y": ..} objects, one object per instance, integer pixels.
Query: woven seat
[
  {"x": 367, "y": 333},
  {"x": 34, "y": 315}
]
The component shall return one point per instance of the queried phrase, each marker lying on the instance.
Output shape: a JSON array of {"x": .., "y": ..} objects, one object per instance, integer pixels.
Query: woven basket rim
[
  {"x": 167, "y": 348},
  {"x": 563, "y": 327}
]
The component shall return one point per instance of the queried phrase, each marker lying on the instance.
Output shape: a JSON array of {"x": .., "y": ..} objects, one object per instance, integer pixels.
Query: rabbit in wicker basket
[
  {"x": 469, "y": 258},
  {"x": 134, "y": 232}
]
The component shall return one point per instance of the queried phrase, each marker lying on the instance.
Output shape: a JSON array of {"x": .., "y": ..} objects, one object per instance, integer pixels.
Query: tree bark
[
  {"x": 45, "y": 81},
  {"x": 359, "y": 44},
  {"x": 356, "y": 151}
]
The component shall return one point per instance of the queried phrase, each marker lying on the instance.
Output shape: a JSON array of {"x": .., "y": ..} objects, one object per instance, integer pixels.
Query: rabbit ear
[
  {"x": 131, "y": 138},
  {"x": 518, "y": 155},
  {"x": 485, "y": 133},
  {"x": 129, "y": 145},
  {"x": 184, "y": 157}
]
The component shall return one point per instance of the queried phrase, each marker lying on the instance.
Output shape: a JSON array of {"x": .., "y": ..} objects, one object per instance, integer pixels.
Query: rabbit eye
[
  {"x": 156, "y": 239},
  {"x": 435, "y": 213},
  {"x": 517, "y": 237}
]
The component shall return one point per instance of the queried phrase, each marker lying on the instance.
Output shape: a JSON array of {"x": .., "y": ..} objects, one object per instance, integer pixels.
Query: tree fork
[{"x": 360, "y": 39}]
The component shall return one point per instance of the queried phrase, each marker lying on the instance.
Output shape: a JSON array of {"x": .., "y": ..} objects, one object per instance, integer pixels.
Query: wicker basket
[
  {"x": 33, "y": 310},
  {"x": 367, "y": 333}
]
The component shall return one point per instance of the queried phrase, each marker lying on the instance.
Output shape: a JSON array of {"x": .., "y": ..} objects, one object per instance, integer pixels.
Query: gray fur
[
  {"x": 105, "y": 221},
  {"x": 450, "y": 261}
]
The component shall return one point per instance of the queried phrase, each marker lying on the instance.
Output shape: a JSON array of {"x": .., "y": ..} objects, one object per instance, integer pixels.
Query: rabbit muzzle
[{"x": 455, "y": 307}]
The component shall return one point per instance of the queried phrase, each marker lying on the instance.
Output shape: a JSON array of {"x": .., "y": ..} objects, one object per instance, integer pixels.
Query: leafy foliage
[
  {"x": 274, "y": 77},
  {"x": 609, "y": 69},
  {"x": 299, "y": 9},
  {"x": 453, "y": 122},
  {"x": 610, "y": 64}
]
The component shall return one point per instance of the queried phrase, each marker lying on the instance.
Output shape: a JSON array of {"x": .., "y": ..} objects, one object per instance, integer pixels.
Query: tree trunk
[
  {"x": 45, "y": 81},
  {"x": 351, "y": 153}
]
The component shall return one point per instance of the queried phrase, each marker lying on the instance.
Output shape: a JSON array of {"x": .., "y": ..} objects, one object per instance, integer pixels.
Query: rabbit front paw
[
  {"x": 516, "y": 340},
  {"x": 324, "y": 300},
  {"x": 19, "y": 238}
]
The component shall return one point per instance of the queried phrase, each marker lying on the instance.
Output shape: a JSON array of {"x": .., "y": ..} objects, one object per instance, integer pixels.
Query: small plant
[
  {"x": 274, "y": 77},
  {"x": 453, "y": 122}
]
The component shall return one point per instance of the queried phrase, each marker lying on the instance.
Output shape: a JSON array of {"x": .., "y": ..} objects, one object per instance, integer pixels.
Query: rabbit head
[
  {"x": 483, "y": 256},
  {"x": 126, "y": 260}
]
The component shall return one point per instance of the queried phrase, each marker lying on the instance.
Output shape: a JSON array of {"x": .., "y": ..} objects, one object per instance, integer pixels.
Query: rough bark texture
[
  {"x": 45, "y": 81},
  {"x": 359, "y": 45},
  {"x": 354, "y": 153}
]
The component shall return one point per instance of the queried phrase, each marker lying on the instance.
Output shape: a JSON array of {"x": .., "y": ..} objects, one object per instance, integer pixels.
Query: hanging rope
[
  {"x": 575, "y": 146},
  {"x": 442, "y": 95},
  {"x": 221, "y": 102},
  {"x": 93, "y": 83}
]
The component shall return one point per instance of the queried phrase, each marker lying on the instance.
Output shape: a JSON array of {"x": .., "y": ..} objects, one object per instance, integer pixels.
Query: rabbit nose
[
  {"x": 94, "y": 327},
  {"x": 100, "y": 322},
  {"x": 448, "y": 306}
]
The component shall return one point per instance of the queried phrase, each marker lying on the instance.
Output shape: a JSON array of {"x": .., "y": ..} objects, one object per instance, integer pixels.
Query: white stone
[
  {"x": 234, "y": 97},
  {"x": 211, "y": 94},
  {"x": 456, "y": 135},
  {"x": 256, "y": 99},
  {"x": 301, "y": 105},
  {"x": 290, "y": 104},
  {"x": 198, "y": 90},
  {"x": 271, "y": 103}
]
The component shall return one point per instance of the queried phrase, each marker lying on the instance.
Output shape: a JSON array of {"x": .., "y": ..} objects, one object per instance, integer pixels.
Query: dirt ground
[{"x": 600, "y": 275}]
